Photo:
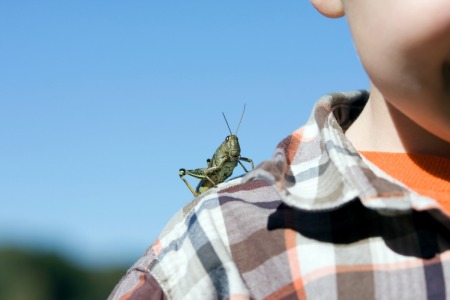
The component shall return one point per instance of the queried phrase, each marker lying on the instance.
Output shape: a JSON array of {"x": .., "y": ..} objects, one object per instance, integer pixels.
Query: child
[{"x": 323, "y": 219}]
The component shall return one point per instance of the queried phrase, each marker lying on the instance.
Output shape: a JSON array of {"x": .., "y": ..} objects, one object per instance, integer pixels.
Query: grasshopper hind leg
[{"x": 182, "y": 172}]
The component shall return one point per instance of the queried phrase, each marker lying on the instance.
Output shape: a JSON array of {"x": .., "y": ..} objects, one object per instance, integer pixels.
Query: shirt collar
[{"x": 317, "y": 167}]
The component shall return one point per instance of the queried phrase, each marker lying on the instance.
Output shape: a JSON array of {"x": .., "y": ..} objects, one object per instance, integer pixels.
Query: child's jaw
[{"x": 404, "y": 46}]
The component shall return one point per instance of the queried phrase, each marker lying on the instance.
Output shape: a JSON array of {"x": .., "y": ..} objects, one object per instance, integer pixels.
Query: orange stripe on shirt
[{"x": 290, "y": 237}]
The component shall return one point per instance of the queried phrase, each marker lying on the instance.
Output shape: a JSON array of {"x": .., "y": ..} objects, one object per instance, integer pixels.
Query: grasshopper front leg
[{"x": 246, "y": 160}]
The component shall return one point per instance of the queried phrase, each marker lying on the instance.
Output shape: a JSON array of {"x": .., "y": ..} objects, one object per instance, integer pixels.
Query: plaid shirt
[{"x": 317, "y": 221}]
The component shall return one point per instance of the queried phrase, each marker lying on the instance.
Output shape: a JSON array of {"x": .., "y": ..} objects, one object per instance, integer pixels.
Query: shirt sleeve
[{"x": 137, "y": 284}]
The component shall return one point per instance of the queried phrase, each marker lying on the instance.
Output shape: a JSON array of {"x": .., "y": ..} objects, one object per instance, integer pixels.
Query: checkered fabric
[{"x": 317, "y": 221}]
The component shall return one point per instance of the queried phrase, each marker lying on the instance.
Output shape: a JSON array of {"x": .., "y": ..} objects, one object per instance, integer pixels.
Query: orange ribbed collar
[{"x": 428, "y": 175}]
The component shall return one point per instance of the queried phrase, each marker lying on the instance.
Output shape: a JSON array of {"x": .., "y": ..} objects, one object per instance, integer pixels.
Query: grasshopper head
[
  {"x": 232, "y": 146},
  {"x": 231, "y": 143}
]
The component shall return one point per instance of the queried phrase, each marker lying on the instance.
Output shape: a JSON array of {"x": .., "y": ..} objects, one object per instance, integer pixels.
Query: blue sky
[{"x": 102, "y": 102}]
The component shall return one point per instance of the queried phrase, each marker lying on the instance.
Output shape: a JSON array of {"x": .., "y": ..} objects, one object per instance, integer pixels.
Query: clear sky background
[{"x": 102, "y": 102}]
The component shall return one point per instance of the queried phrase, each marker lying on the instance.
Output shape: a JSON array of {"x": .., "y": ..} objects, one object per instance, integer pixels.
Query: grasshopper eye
[{"x": 227, "y": 138}]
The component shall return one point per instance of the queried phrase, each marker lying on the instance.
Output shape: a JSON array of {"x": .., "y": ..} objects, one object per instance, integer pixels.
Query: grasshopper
[{"x": 221, "y": 166}]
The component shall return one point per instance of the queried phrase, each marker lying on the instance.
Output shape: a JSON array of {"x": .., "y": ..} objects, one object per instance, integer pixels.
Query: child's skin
[{"x": 404, "y": 46}]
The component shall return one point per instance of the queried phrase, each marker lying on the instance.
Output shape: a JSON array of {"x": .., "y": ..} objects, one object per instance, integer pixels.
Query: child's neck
[{"x": 382, "y": 128}]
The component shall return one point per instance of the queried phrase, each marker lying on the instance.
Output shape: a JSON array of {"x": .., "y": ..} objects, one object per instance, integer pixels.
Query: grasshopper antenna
[
  {"x": 227, "y": 123},
  {"x": 240, "y": 120}
]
